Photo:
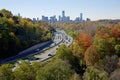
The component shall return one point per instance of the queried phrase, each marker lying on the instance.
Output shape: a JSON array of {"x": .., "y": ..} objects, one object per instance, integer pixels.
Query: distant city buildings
[
  {"x": 53, "y": 19},
  {"x": 44, "y": 18},
  {"x": 62, "y": 18}
]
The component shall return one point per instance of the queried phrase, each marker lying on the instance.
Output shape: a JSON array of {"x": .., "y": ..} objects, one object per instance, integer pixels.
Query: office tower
[
  {"x": 63, "y": 13},
  {"x": 34, "y": 20},
  {"x": 37, "y": 19},
  {"x": 81, "y": 16},
  {"x": 68, "y": 18},
  {"x": 53, "y": 19},
  {"x": 77, "y": 20},
  {"x": 45, "y": 19},
  {"x": 59, "y": 18}
]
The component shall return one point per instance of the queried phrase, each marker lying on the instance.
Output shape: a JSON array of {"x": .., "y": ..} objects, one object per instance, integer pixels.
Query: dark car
[
  {"x": 37, "y": 58},
  {"x": 50, "y": 55}
]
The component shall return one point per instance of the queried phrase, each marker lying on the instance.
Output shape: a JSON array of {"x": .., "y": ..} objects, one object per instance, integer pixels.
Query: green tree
[
  {"x": 93, "y": 73},
  {"x": 117, "y": 49},
  {"x": 64, "y": 53},
  {"x": 57, "y": 70},
  {"x": 77, "y": 50},
  {"x": 103, "y": 46},
  {"x": 24, "y": 72},
  {"x": 6, "y": 13},
  {"x": 76, "y": 76},
  {"x": 37, "y": 66},
  {"x": 6, "y": 72}
]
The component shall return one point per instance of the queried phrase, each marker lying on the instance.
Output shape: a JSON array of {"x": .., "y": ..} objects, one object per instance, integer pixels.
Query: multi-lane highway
[
  {"x": 66, "y": 39},
  {"x": 60, "y": 37}
]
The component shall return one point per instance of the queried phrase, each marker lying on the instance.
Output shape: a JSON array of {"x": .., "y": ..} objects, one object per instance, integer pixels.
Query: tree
[
  {"x": 85, "y": 40},
  {"x": 115, "y": 75},
  {"x": 78, "y": 53},
  {"x": 115, "y": 31},
  {"x": 18, "y": 34},
  {"x": 76, "y": 76},
  {"x": 36, "y": 66},
  {"x": 24, "y": 72},
  {"x": 93, "y": 73},
  {"x": 6, "y": 72},
  {"x": 57, "y": 70},
  {"x": 117, "y": 49},
  {"x": 77, "y": 50},
  {"x": 103, "y": 46},
  {"x": 91, "y": 55},
  {"x": 64, "y": 53},
  {"x": 110, "y": 63},
  {"x": 6, "y": 13}
]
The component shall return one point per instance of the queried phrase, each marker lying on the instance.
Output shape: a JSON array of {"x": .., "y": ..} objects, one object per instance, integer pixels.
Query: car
[
  {"x": 50, "y": 55},
  {"x": 37, "y": 58},
  {"x": 37, "y": 50}
]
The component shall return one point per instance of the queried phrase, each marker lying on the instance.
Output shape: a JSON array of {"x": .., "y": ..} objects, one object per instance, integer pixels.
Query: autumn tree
[
  {"x": 85, "y": 40},
  {"x": 115, "y": 31},
  {"x": 91, "y": 55}
]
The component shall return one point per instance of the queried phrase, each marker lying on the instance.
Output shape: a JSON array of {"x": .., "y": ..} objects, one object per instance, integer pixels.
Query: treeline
[
  {"x": 17, "y": 33},
  {"x": 74, "y": 29}
]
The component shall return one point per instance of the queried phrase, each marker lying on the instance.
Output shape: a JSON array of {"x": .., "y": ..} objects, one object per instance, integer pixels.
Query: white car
[{"x": 37, "y": 50}]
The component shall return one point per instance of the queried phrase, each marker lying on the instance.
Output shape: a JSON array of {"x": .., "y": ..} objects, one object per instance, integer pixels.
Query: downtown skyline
[
  {"x": 62, "y": 18},
  {"x": 95, "y": 9}
]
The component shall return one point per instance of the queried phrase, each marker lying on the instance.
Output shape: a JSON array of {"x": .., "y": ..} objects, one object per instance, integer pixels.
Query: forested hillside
[{"x": 17, "y": 33}]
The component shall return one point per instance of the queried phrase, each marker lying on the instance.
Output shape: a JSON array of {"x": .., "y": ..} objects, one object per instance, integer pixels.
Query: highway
[
  {"x": 66, "y": 39},
  {"x": 60, "y": 37}
]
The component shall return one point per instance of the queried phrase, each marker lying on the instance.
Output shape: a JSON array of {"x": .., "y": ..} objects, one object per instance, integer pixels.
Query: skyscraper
[
  {"x": 63, "y": 13},
  {"x": 81, "y": 16},
  {"x": 59, "y": 18},
  {"x": 44, "y": 18}
]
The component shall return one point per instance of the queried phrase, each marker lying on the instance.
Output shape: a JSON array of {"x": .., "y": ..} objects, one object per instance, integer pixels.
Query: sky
[{"x": 93, "y": 9}]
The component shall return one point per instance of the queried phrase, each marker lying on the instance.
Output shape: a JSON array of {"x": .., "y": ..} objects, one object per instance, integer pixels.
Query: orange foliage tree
[
  {"x": 85, "y": 40},
  {"x": 115, "y": 31}
]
